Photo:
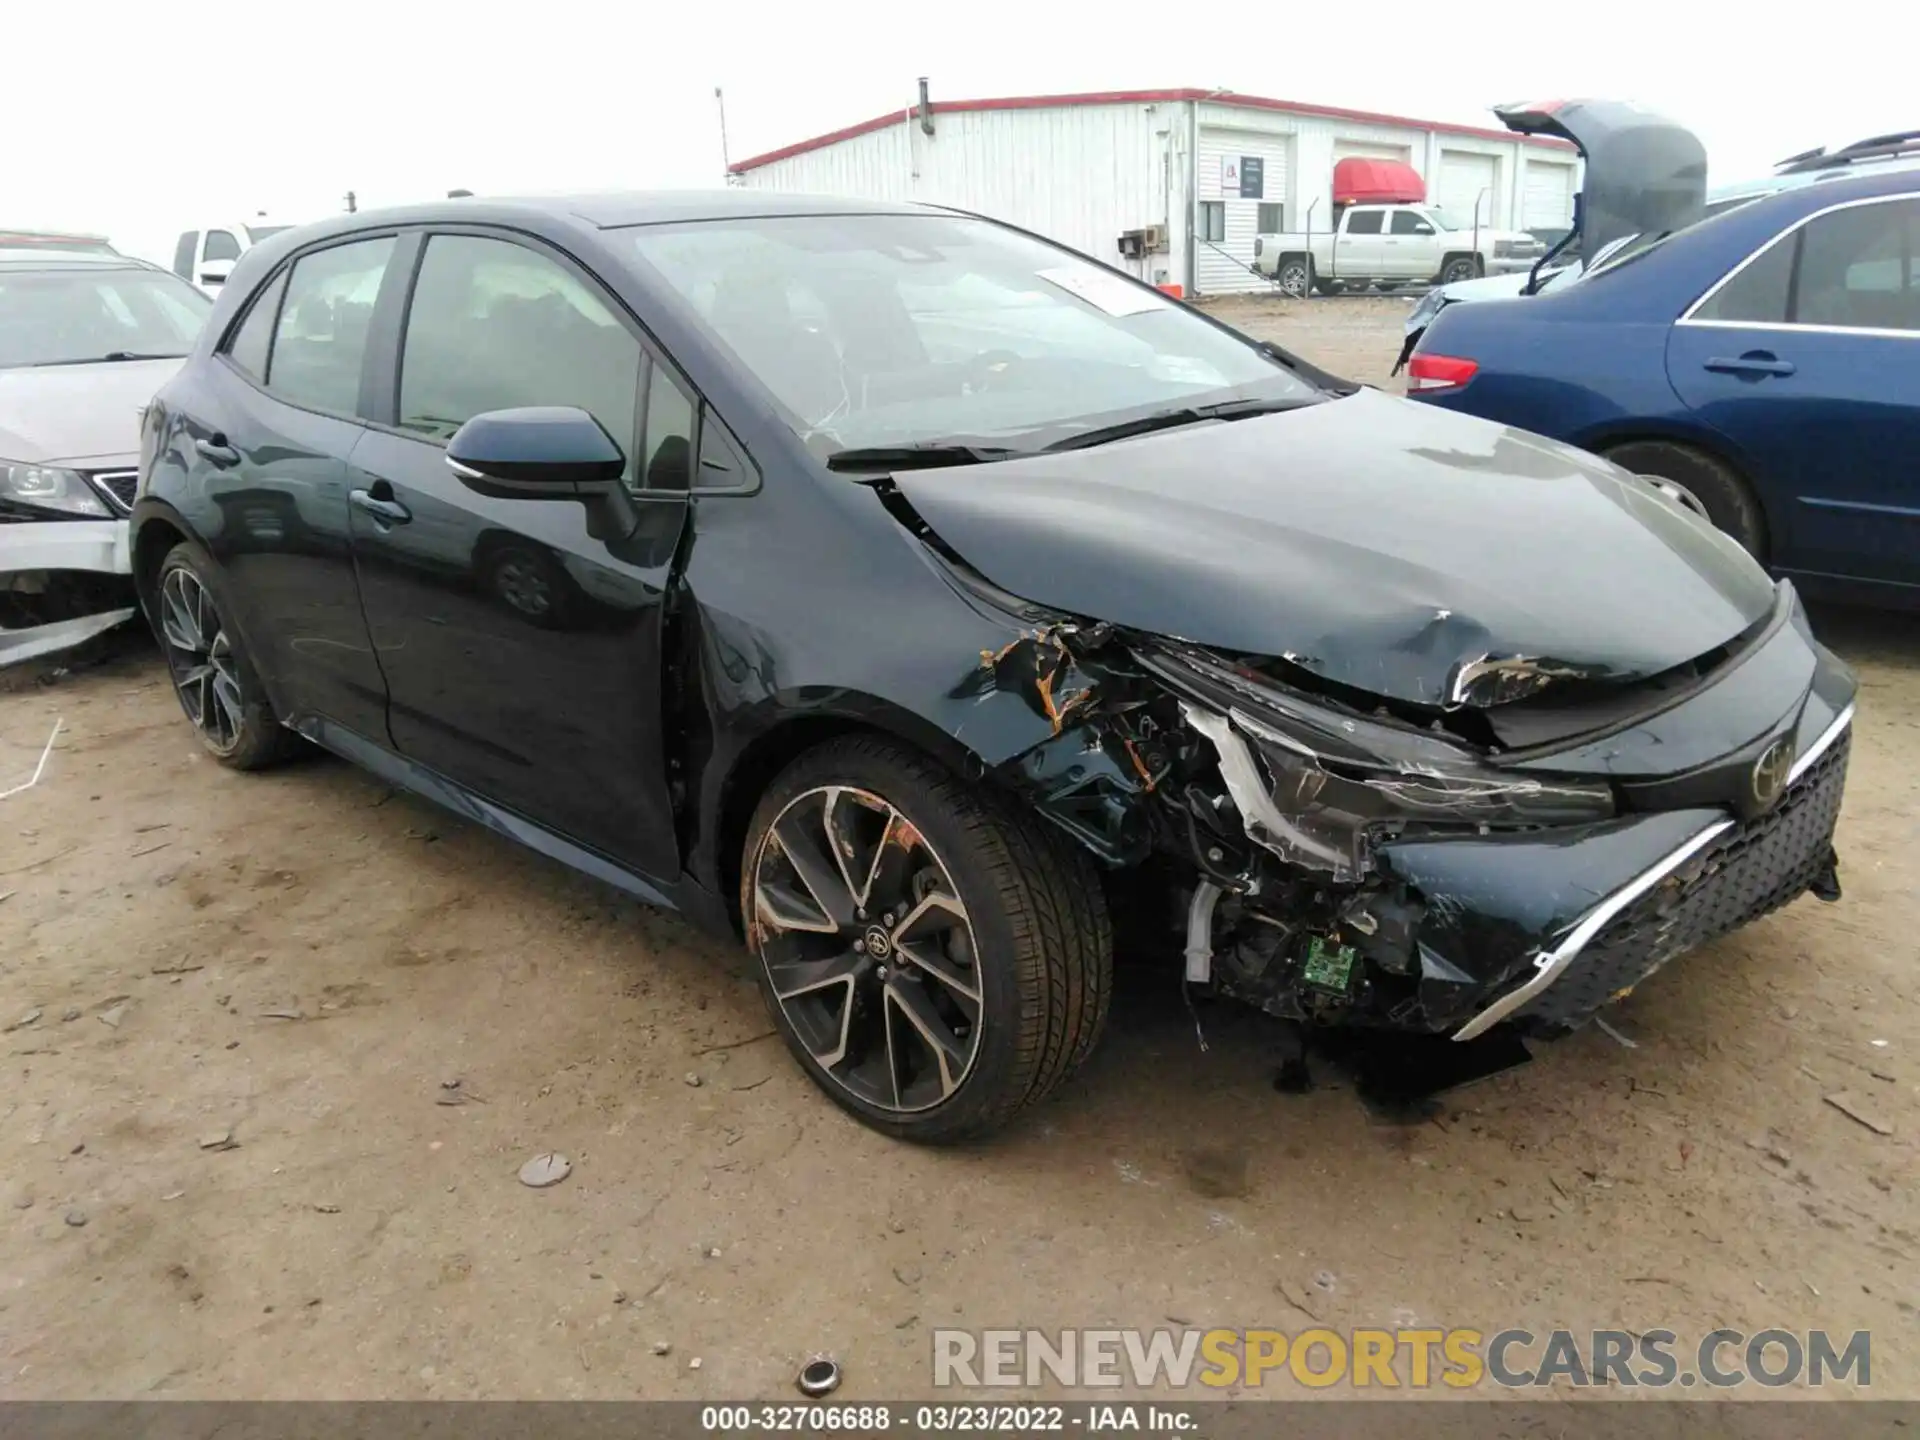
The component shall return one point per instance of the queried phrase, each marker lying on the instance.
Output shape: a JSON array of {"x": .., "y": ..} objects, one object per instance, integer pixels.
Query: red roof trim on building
[{"x": 1134, "y": 97}]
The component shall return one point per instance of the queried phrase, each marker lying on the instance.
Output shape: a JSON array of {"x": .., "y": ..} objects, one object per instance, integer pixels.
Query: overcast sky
[{"x": 143, "y": 120}]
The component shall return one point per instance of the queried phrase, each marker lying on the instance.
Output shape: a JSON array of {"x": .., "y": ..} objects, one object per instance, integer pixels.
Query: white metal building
[{"x": 1210, "y": 168}]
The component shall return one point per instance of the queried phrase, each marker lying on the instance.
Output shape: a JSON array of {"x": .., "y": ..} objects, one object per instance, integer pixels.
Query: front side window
[
  {"x": 252, "y": 341},
  {"x": 895, "y": 329},
  {"x": 1364, "y": 222},
  {"x": 495, "y": 325},
  {"x": 320, "y": 339},
  {"x": 1406, "y": 222},
  {"x": 78, "y": 317},
  {"x": 222, "y": 246}
]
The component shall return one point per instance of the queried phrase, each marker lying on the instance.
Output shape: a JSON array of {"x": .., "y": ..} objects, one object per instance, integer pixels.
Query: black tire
[
  {"x": 1458, "y": 268},
  {"x": 213, "y": 678},
  {"x": 1294, "y": 275},
  {"x": 1036, "y": 930},
  {"x": 1328, "y": 287},
  {"x": 1728, "y": 500}
]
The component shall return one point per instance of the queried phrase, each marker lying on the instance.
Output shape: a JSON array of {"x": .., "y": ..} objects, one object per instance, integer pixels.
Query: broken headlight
[{"x": 1314, "y": 784}]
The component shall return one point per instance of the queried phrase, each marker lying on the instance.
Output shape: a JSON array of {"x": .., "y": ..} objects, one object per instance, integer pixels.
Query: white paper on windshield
[{"x": 1109, "y": 292}]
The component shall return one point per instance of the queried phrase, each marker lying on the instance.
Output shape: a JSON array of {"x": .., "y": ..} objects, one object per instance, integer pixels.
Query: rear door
[
  {"x": 269, "y": 438},
  {"x": 521, "y": 638},
  {"x": 1359, "y": 250},
  {"x": 1807, "y": 357}
]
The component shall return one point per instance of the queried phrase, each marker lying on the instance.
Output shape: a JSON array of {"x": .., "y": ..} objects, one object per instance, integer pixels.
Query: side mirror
[
  {"x": 215, "y": 272},
  {"x": 538, "y": 452}
]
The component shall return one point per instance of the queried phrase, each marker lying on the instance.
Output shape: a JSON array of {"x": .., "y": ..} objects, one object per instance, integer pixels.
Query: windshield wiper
[
  {"x": 111, "y": 357},
  {"x": 920, "y": 455},
  {"x": 1180, "y": 415}
]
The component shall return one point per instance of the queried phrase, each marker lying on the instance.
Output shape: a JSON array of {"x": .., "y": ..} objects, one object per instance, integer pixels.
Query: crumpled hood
[
  {"x": 77, "y": 412},
  {"x": 1378, "y": 543}
]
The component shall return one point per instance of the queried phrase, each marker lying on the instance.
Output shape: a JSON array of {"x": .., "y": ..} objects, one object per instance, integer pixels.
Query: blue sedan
[{"x": 1764, "y": 365}]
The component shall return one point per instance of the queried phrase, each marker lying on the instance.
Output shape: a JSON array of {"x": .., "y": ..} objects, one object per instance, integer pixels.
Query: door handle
[
  {"x": 1754, "y": 362},
  {"x": 217, "y": 451},
  {"x": 384, "y": 512}
]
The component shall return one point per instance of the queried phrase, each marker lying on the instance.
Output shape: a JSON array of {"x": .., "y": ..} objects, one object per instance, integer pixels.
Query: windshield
[
  {"x": 912, "y": 329},
  {"x": 68, "y": 317}
]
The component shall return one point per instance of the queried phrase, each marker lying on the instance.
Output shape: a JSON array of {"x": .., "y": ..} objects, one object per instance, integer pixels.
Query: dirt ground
[{"x": 231, "y": 1163}]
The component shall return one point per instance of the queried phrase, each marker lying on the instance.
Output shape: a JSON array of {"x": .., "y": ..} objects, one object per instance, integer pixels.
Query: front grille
[
  {"x": 117, "y": 486},
  {"x": 1753, "y": 870}
]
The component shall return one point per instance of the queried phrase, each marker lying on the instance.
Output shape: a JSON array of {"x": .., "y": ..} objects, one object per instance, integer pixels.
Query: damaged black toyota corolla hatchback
[{"x": 891, "y": 588}]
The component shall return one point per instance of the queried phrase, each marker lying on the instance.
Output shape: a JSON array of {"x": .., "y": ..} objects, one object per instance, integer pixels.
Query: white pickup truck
[{"x": 1389, "y": 246}]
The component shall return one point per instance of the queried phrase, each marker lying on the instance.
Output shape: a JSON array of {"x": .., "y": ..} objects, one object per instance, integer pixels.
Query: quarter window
[
  {"x": 254, "y": 338},
  {"x": 495, "y": 325},
  {"x": 320, "y": 338}
]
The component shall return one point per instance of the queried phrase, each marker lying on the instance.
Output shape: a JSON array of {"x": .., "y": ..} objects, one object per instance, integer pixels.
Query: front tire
[
  {"x": 216, "y": 683},
  {"x": 936, "y": 960},
  {"x": 1713, "y": 488},
  {"x": 1461, "y": 267}
]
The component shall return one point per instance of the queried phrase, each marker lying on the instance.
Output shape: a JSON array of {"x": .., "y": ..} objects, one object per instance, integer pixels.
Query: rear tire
[
  {"x": 213, "y": 678},
  {"x": 1007, "y": 971},
  {"x": 1727, "y": 499},
  {"x": 1294, "y": 275}
]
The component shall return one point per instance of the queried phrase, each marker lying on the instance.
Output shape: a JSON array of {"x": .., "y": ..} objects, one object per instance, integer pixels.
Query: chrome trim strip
[
  {"x": 1823, "y": 744},
  {"x": 1686, "y": 317},
  {"x": 465, "y": 472},
  {"x": 1798, "y": 329},
  {"x": 1548, "y": 965}
]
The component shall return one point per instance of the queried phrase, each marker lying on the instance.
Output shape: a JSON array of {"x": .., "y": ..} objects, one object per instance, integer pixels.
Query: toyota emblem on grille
[{"x": 1770, "y": 771}]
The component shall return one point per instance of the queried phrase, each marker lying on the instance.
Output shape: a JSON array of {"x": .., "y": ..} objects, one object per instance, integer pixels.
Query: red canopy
[{"x": 1358, "y": 180}]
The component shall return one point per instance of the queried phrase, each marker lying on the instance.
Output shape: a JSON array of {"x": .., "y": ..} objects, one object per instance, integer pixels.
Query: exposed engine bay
[{"x": 1339, "y": 859}]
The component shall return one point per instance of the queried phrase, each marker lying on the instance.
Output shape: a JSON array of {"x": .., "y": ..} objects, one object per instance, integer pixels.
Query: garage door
[
  {"x": 1372, "y": 150},
  {"x": 1221, "y": 266},
  {"x": 1466, "y": 180},
  {"x": 1549, "y": 194}
]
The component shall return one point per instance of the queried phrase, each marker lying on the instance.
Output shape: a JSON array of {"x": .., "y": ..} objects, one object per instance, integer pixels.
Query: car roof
[
  {"x": 1801, "y": 179},
  {"x": 37, "y": 258},
  {"x": 619, "y": 209}
]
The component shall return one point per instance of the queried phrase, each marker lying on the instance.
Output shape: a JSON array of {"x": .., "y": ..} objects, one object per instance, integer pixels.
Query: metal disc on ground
[{"x": 545, "y": 1170}]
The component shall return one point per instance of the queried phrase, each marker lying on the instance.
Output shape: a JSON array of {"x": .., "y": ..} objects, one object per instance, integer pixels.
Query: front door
[
  {"x": 1412, "y": 253},
  {"x": 521, "y": 638},
  {"x": 269, "y": 472},
  {"x": 1808, "y": 359}
]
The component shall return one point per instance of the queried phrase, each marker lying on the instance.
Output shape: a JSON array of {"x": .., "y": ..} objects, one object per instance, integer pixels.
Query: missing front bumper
[{"x": 61, "y": 583}]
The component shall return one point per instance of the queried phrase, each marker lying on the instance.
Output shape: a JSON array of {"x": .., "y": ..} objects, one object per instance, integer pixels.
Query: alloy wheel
[
  {"x": 868, "y": 948},
  {"x": 1679, "y": 494},
  {"x": 1293, "y": 280},
  {"x": 201, "y": 659}
]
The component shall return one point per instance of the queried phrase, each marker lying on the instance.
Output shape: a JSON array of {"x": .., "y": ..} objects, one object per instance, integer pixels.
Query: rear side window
[
  {"x": 320, "y": 339},
  {"x": 1364, "y": 222},
  {"x": 222, "y": 246},
  {"x": 252, "y": 341},
  {"x": 1851, "y": 270},
  {"x": 494, "y": 325},
  {"x": 1758, "y": 295}
]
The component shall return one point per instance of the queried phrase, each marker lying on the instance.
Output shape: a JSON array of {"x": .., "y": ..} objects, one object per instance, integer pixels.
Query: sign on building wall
[{"x": 1243, "y": 175}]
